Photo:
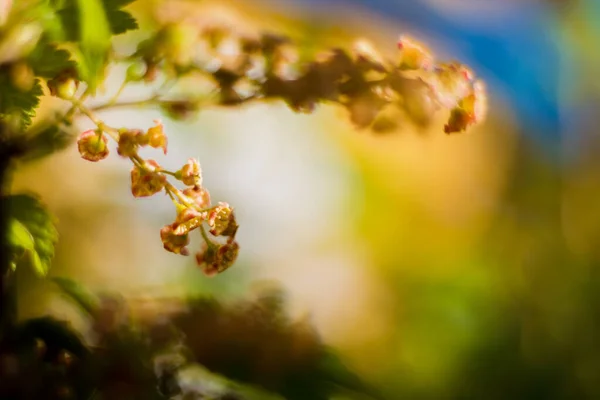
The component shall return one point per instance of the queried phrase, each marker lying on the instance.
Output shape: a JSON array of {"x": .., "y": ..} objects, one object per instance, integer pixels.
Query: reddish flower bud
[
  {"x": 156, "y": 136},
  {"x": 450, "y": 83},
  {"x": 458, "y": 121},
  {"x": 218, "y": 258},
  {"x": 173, "y": 242},
  {"x": 129, "y": 140},
  {"x": 476, "y": 102},
  {"x": 146, "y": 181},
  {"x": 413, "y": 55},
  {"x": 190, "y": 173},
  {"x": 469, "y": 111},
  {"x": 64, "y": 85},
  {"x": 198, "y": 195},
  {"x": 92, "y": 146},
  {"x": 220, "y": 218}
]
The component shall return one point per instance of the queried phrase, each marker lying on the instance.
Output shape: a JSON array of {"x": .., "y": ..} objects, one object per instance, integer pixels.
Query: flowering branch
[
  {"x": 372, "y": 88},
  {"x": 192, "y": 204}
]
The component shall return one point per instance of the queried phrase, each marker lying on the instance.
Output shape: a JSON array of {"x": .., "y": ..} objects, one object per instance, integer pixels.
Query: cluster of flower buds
[
  {"x": 193, "y": 204},
  {"x": 266, "y": 66},
  {"x": 215, "y": 256}
]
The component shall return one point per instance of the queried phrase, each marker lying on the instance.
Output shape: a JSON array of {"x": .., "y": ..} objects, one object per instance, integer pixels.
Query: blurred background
[{"x": 462, "y": 266}]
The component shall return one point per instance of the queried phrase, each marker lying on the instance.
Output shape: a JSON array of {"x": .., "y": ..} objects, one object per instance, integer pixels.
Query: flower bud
[
  {"x": 198, "y": 195},
  {"x": 450, "y": 83},
  {"x": 92, "y": 145},
  {"x": 136, "y": 71},
  {"x": 179, "y": 110},
  {"x": 190, "y": 173},
  {"x": 173, "y": 242},
  {"x": 458, "y": 121},
  {"x": 476, "y": 102},
  {"x": 220, "y": 218},
  {"x": 218, "y": 258},
  {"x": 64, "y": 85},
  {"x": 469, "y": 111},
  {"x": 146, "y": 180},
  {"x": 156, "y": 136},
  {"x": 413, "y": 55},
  {"x": 129, "y": 140}
]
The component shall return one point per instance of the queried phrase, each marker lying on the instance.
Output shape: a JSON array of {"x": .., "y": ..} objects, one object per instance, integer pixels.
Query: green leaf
[
  {"x": 95, "y": 37},
  {"x": 19, "y": 237},
  {"x": 17, "y": 106},
  {"x": 120, "y": 21},
  {"x": 48, "y": 61},
  {"x": 78, "y": 294},
  {"x": 91, "y": 23},
  {"x": 46, "y": 142},
  {"x": 32, "y": 216}
]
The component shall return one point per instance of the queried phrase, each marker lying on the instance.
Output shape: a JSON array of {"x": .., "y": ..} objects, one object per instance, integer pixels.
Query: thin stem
[
  {"x": 209, "y": 242},
  {"x": 165, "y": 87},
  {"x": 180, "y": 196},
  {"x": 135, "y": 161},
  {"x": 168, "y": 191},
  {"x": 114, "y": 99},
  {"x": 112, "y": 132},
  {"x": 164, "y": 171},
  {"x": 154, "y": 100}
]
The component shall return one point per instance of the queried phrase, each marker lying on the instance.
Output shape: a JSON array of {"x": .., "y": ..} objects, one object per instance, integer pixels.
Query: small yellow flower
[
  {"x": 146, "y": 180},
  {"x": 413, "y": 55},
  {"x": 173, "y": 242},
  {"x": 129, "y": 140},
  {"x": 222, "y": 220},
  {"x": 190, "y": 173},
  {"x": 198, "y": 195},
  {"x": 218, "y": 258},
  {"x": 156, "y": 136},
  {"x": 92, "y": 145}
]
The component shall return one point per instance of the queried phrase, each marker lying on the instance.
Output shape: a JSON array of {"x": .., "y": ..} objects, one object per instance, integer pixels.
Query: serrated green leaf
[
  {"x": 19, "y": 237},
  {"x": 48, "y": 61},
  {"x": 78, "y": 294},
  {"x": 37, "y": 221},
  {"x": 17, "y": 104},
  {"x": 120, "y": 21},
  {"x": 46, "y": 142},
  {"x": 91, "y": 23}
]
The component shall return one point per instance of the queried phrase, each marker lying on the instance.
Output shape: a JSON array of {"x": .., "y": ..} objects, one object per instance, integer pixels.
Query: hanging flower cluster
[{"x": 193, "y": 204}]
